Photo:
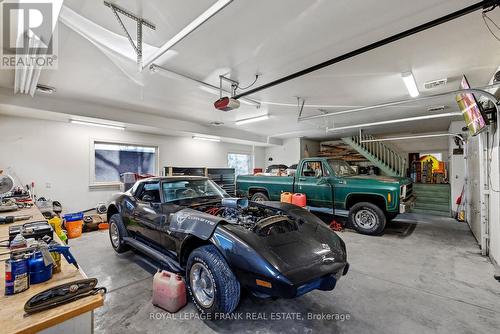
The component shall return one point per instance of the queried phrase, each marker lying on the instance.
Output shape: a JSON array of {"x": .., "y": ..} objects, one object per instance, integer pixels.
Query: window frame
[{"x": 93, "y": 184}]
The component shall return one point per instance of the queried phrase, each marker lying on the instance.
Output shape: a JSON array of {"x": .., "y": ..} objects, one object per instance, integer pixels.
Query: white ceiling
[{"x": 275, "y": 38}]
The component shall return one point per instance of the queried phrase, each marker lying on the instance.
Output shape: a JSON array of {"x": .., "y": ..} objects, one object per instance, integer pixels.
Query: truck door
[{"x": 318, "y": 194}]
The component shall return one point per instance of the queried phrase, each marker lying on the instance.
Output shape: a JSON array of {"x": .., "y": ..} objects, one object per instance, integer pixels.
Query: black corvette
[{"x": 223, "y": 244}]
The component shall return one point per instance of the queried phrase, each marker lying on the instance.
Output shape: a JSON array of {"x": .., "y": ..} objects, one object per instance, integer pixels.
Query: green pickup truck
[{"x": 368, "y": 201}]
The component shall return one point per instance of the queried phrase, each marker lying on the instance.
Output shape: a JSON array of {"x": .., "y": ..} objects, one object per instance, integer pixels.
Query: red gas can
[
  {"x": 169, "y": 291},
  {"x": 299, "y": 199}
]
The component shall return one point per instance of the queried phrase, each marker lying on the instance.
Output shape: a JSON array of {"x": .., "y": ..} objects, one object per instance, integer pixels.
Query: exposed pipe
[
  {"x": 480, "y": 91},
  {"x": 413, "y": 137},
  {"x": 385, "y": 41}
]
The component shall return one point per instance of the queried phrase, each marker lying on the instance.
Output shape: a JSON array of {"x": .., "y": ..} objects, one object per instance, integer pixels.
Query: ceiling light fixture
[
  {"x": 196, "y": 23},
  {"x": 411, "y": 84},
  {"x": 101, "y": 125},
  {"x": 392, "y": 121},
  {"x": 206, "y": 138},
  {"x": 252, "y": 119}
]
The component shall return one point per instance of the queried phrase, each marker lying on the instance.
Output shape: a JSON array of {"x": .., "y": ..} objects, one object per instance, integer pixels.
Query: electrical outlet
[{"x": 48, "y": 185}]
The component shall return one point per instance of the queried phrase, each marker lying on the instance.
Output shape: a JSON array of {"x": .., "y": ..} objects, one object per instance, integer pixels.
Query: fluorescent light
[
  {"x": 206, "y": 138},
  {"x": 392, "y": 121},
  {"x": 101, "y": 125},
  {"x": 252, "y": 119},
  {"x": 214, "y": 9},
  {"x": 410, "y": 83}
]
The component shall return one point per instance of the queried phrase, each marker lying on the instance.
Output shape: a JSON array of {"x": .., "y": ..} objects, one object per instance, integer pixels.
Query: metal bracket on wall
[{"x": 140, "y": 22}]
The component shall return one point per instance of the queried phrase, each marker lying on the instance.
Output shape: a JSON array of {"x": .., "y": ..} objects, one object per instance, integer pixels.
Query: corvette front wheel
[{"x": 211, "y": 283}]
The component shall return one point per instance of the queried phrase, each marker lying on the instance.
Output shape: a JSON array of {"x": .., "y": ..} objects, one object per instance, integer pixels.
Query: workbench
[{"x": 74, "y": 317}]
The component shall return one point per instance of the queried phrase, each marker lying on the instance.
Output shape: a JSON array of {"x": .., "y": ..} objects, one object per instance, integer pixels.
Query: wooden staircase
[
  {"x": 379, "y": 154},
  {"x": 432, "y": 199}
]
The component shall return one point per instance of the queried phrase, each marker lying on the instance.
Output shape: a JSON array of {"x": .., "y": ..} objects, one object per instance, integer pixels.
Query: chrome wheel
[
  {"x": 202, "y": 284},
  {"x": 115, "y": 235},
  {"x": 366, "y": 219}
]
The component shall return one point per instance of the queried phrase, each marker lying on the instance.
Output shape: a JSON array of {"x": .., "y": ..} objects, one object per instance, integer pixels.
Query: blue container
[
  {"x": 39, "y": 272},
  {"x": 16, "y": 276},
  {"x": 72, "y": 217}
]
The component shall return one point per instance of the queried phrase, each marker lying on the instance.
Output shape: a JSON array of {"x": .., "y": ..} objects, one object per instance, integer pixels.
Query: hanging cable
[
  {"x": 249, "y": 86},
  {"x": 485, "y": 18}
]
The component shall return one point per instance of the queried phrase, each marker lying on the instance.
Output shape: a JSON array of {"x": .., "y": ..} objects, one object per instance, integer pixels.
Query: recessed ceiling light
[
  {"x": 101, "y": 125},
  {"x": 216, "y": 123},
  {"x": 411, "y": 84}
]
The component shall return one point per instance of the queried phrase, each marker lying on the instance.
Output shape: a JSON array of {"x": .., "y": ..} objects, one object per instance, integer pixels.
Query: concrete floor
[{"x": 424, "y": 275}]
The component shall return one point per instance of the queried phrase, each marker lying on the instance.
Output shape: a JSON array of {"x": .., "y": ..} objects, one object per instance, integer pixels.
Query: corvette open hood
[{"x": 312, "y": 251}]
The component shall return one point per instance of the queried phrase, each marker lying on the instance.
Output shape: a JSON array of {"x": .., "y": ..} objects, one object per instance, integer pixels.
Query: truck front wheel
[
  {"x": 367, "y": 218},
  {"x": 259, "y": 197}
]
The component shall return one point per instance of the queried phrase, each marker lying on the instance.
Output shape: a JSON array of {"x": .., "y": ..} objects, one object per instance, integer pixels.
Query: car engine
[{"x": 262, "y": 221}]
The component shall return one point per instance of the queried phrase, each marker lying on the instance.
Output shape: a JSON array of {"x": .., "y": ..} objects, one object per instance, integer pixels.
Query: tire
[
  {"x": 367, "y": 218},
  {"x": 116, "y": 226},
  {"x": 206, "y": 266},
  {"x": 259, "y": 197}
]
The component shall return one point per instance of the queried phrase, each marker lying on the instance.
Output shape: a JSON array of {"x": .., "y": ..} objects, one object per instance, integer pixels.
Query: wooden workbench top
[{"x": 12, "y": 315}]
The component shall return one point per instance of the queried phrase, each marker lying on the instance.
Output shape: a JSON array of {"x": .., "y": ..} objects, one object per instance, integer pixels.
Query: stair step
[
  {"x": 432, "y": 195},
  {"x": 431, "y": 212},
  {"x": 432, "y": 206},
  {"x": 433, "y": 200}
]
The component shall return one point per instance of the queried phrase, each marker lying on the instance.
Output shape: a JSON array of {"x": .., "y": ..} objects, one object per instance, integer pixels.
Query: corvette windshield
[
  {"x": 191, "y": 189},
  {"x": 341, "y": 168}
]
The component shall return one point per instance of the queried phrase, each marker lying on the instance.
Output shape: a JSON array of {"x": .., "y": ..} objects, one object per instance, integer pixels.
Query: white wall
[
  {"x": 288, "y": 153},
  {"x": 56, "y": 156}
]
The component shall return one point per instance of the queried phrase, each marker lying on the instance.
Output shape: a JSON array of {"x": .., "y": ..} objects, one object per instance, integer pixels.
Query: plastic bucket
[
  {"x": 74, "y": 228},
  {"x": 71, "y": 217},
  {"x": 286, "y": 197}
]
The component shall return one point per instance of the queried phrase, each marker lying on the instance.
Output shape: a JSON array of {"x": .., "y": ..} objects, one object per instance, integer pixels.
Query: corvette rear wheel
[
  {"x": 367, "y": 218},
  {"x": 116, "y": 233},
  {"x": 211, "y": 283}
]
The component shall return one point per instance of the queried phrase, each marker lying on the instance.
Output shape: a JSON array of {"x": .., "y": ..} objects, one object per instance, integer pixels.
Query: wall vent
[{"x": 435, "y": 83}]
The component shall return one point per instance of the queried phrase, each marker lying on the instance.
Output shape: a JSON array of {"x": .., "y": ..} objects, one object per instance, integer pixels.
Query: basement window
[
  {"x": 112, "y": 159},
  {"x": 242, "y": 163}
]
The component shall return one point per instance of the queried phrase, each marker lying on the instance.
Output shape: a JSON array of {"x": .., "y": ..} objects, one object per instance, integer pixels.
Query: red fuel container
[
  {"x": 169, "y": 291},
  {"x": 299, "y": 200}
]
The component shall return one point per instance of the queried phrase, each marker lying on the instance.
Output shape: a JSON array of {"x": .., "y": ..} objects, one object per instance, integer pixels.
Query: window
[
  {"x": 113, "y": 159},
  {"x": 341, "y": 168},
  {"x": 242, "y": 163}
]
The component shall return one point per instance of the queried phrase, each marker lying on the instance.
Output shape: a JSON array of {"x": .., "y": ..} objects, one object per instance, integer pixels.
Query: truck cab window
[{"x": 313, "y": 169}]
